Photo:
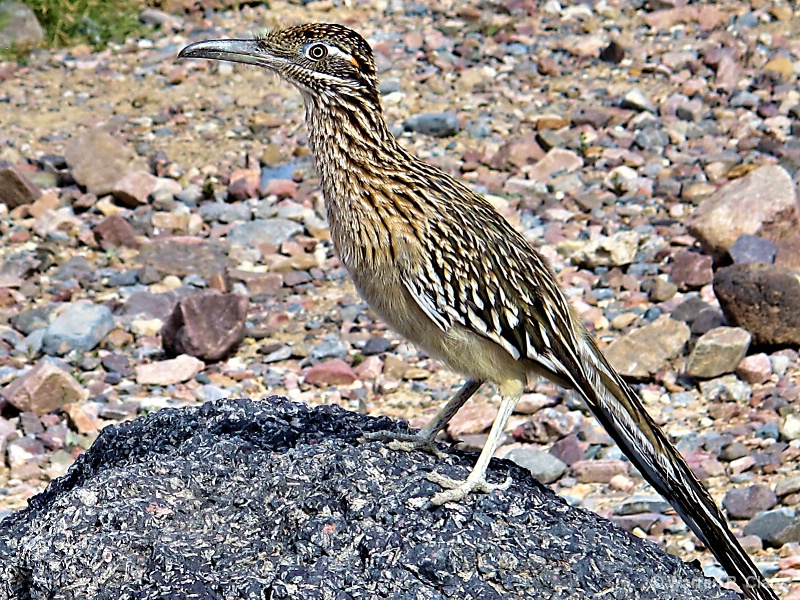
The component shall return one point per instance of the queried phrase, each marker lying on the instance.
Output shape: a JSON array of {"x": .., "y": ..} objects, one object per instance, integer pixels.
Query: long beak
[{"x": 241, "y": 51}]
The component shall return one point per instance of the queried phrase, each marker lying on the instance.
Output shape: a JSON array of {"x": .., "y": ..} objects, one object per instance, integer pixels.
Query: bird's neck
[{"x": 349, "y": 139}]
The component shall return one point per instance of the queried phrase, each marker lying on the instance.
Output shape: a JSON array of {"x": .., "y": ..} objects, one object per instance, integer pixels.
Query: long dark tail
[{"x": 620, "y": 411}]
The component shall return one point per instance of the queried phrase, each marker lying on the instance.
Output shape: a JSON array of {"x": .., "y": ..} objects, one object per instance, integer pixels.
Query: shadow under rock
[{"x": 272, "y": 499}]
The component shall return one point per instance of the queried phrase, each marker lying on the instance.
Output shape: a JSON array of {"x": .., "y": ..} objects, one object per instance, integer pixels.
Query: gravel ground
[{"x": 642, "y": 148}]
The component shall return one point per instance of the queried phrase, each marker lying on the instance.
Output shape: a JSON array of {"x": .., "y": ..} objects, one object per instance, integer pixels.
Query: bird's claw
[
  {"x": 407, "y": 442},
  {"x": 458, "y": 489}
]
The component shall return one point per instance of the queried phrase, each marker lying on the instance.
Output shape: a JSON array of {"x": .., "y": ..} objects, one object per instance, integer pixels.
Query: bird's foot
[
  {"x": 458, "y": 489},
  {"x": 407, "y": 442}
]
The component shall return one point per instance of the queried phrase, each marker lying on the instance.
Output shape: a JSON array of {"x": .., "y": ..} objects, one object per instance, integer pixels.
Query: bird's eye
[{"x": 317, "y": 51}]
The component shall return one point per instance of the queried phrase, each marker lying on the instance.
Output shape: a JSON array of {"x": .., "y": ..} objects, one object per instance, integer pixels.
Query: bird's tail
[{"x": 620, "y": 411}]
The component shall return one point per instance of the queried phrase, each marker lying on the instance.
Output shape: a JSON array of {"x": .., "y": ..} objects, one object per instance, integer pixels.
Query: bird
[{"x": 445, "y": 270}]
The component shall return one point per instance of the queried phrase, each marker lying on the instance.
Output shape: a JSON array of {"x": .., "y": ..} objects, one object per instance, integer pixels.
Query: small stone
[
  {"x": 744, "y": 206},
  {"x": 781, "y": 67},
  {"x": 394, "y": 367},
  {"x": 98, "y": 161},
  {"x": 662, "y": 290},
  {"x": 556, "y": 160},
  {"x": 542, "y": 465},
  {"x": 115, "y": 232},
  {"x": 775, "y": 527},
  {"x": 331, "y": 372},
  {"x": 615, "y": 250},
  {"x": 647, "y": 350},
  {"x": 370, "y": 368},
  {"x": 790, "y": 427},
  {"x": 78, "y": 326},
  {"x": 755, "y": 368},
  {"x": 134, "y": 189},
  {"x": 517, "y": 153},
  {"x": 376, "y": 345},
  {"x": 763, "y": 299},
  {"x": 475, "y": 417},
  {"x": 331, "y": 347},
  {"x": 598, "y": 471},
  {"x": 184, "y": 256},
  {"x": 208, "y": 325},
  {"x": 15, "y": 188},
  {"x": 43, "y": 389},
  {"x": 690, "y": 270},
  {"x": 745, "y": 503},
  {"x": 636, "y": 100},
  {"x": 788, "y": 486},
  {"x": 752, "y": 248},
  {"x": 18, "y": 26},
  {"x": 84, "y": 417},
  {"x": 613, "y": 53},
  {"x": 282, "y": 188},
  {"x": 568, "y": 449},
  {"x": 434, "y": 124},
  {"x": 169, "y": 372},
  {"x": 718, "y": 352},
  {"x": 273, "y": 231}
]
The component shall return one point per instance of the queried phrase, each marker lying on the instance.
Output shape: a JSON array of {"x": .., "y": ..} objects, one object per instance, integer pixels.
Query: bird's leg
[
  {"x": 424, "y": 438},
  {"x": 476, "y": 480}
]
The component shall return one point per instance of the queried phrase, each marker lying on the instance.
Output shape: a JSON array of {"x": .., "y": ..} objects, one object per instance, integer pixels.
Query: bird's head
[{"x": 321, "y": 60}]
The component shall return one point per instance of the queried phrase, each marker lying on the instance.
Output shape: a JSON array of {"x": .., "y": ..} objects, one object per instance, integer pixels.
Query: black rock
[{"x": 244, "y": 499}]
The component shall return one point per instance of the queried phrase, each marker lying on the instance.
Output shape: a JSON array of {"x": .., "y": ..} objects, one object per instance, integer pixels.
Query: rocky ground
[{"x": 164, "y": 241}]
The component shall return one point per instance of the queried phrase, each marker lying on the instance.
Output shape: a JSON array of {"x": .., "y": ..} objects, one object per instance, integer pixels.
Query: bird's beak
[{"x": 242, "y": 51}]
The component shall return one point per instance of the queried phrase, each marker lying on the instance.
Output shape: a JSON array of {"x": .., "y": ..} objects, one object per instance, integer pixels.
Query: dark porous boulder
[
  {"x": 763, "y": 299},
  {"x": 244, "y": 499}
]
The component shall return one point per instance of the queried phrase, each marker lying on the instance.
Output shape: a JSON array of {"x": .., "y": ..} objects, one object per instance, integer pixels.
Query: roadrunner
[{"x": 446, "y": 271}]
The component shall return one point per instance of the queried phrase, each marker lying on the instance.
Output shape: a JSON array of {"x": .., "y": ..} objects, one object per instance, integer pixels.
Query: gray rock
[
  {"x": 435, "y": 124},
  {"x": 647, "y": 350},
  {"x": 727, "y": 388},
  {"x": 542, "y": 465},
  {"x": 272, "y": 231},
  {"x": 718, "y": 352},
  {"x": 763, "y": 299},
  {"x": 18, "y": 25},
  {"x": 79, "y": 326},
  {"x": 331, "y": 347},
  {"x": 751, "y": 248},
  {"x": 34, "y": 318},
  {"x": 226, "y": 480},
  {"x": 790, "y": 485},
  {"x": 775, "y": 527},
  {"x": 224, "y": 212},
  {"x": 745, "y": 503}
]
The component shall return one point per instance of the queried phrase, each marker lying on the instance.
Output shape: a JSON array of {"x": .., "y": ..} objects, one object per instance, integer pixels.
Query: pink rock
[
  {"x": 475, "y": 417},
  {"x": 599, "y": 471},
  {"x": 169, "y": 372},
  {"x": 115, "y": 231},
  {"x": 209, "y": 325},
  {"x": 556, "y": 159},
  {"x": 370, "y": 368},
  {"x": 331, "y": 372},
  {"x": 134, "y": 189},
  {"x": 691, "y": 270},
  {"x": 755, "y": 368},
  {"x": 282, "y": 188},
  {"x": 43, "y": 389},
  {"x": 244, "y": 184}
]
